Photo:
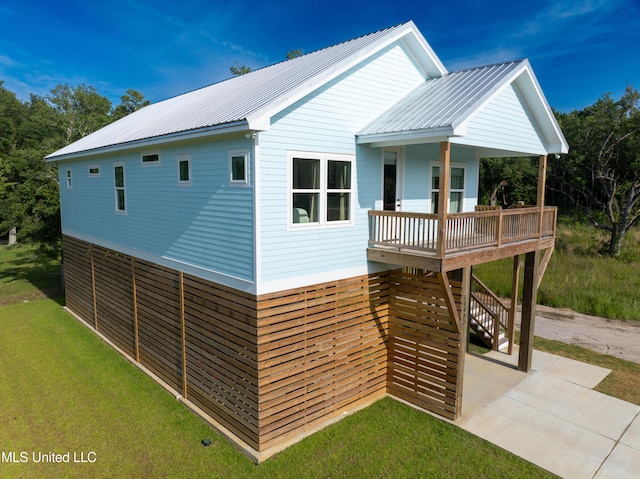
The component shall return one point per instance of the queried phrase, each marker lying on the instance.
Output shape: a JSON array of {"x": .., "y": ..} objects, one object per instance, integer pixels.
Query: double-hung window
[
  {"x": 120, "y": 194},
  {"x": 456, "y": 189},
  {"x": 69, "y": 183},
  {"x": 321, "y": 189}
]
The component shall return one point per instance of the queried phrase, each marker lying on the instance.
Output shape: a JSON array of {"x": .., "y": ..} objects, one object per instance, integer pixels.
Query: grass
[
  {"x": 65, "y": 390},
  {"x": 578, "y": 277},
  {"x": 26, "y": 275}
]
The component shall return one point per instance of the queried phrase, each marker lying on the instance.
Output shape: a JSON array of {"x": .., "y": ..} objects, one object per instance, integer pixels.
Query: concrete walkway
[{"x": 552, "y": 417}]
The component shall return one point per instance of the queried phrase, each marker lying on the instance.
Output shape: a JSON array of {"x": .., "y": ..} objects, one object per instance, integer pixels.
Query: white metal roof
[
  {"x": 442, "y": 106},
  {"x": 247, "y": 102}
]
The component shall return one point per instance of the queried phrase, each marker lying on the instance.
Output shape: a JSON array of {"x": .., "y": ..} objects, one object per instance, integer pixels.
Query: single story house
[{"x": 297, "y": 242}]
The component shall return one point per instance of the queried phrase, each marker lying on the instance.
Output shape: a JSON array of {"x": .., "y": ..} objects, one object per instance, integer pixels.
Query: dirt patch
[{"x": 607, "y": 336}]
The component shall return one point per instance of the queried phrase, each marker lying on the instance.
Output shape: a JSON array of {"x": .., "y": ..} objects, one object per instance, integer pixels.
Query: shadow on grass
[{"x": 27, "y": 274}]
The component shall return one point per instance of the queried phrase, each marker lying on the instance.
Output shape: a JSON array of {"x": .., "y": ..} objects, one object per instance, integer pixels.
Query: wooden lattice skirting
[{"x": 268, "y": 370}]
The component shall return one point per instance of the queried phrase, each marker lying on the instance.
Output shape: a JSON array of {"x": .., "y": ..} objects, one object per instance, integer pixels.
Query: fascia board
[
  {"x": 546, "y": 120},
  {"x": 431, "y": 135},
  {"x": 236, "y": 127}
]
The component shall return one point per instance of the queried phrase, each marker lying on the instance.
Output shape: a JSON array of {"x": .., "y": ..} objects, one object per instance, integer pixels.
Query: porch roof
[{"x": 441, "y": 108}]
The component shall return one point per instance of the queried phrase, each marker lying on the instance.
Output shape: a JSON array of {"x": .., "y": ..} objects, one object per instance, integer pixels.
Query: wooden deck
[{"x": 413, "y": 239}]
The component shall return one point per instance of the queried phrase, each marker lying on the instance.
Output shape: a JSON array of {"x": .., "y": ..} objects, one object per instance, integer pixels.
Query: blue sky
[{"x": 578, "y": 49}]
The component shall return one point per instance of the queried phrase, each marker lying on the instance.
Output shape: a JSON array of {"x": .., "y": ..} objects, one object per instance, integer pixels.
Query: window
[
  {"x": 94, "y": 171},
  {"x": 68, "y": 177},
  {"x": 184, "y": 170},
  {"x": 456, "y": 189},
  {"x": 121, "y": 202},
  {"x": 239, "y": 168},
  {"x": 151, "y": 158},
  {"x": 320, "y": 189}
]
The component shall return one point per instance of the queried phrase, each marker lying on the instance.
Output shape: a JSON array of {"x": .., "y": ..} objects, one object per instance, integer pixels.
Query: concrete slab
[
  {"x": 567, "y": 401},
  {"x": 484, "y": 382},
  {"x": 631, "y": 437},
  {"x": 547, "y": 441},
  {"x": 539, "y": 361},
  {"x": 623, "y": 463},
  {"x": 552, "y": 417},
  {"x": 586, "y": 375}
]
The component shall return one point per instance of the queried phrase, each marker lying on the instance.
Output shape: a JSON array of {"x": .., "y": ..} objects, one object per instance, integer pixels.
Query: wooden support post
[
  {"x": 529, "y": 298},
  {"x": 93, "y": 286},
  {"x": 464, "y": 335},
  {"x": 184, "y": 337},
  {"x": 443, "y": 197},
  {"x": 514, "y": 302},
  {"x": 135, "y": 309},
  {"x": 542, "y": 181}
]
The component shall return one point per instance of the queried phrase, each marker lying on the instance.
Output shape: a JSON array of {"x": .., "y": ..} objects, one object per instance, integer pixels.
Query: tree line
[
  {"x": 599, "y": 179},
  {"x": 29, "y": 131}
]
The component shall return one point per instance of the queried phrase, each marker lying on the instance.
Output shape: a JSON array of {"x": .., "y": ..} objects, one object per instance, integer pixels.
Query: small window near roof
[
  {"x": 239, "y": 168},
  {"x": 184, "y": 170},
  {"x": 94, "y": 170},
  {"x": 151, "y": 159},
  {"x": 68, "y": 177}
]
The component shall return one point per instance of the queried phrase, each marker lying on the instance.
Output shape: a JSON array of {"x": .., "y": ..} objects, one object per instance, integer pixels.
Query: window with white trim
[
  {"x": 94, "y": 171},
  {"x": 184, "y": 170},
  {"x": 456, "y": 188},
  {"x": 150, "y": 158},
  {"x": 239, "y": 168},
  {"x": 68, "y": 178},
  {"x": 320, "y": 189},
  {"x": 119, "y": 184}
]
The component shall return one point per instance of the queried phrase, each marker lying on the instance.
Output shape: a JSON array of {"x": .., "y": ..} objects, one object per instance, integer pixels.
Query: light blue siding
[
  {"x": 209, "y": 225},
  {"x": 417, "y": 175},
  {"x": 504, "y": 124},
  {"x": 326, "y": 122}
]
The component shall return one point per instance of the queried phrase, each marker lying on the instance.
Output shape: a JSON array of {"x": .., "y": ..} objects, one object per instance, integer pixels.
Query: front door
[{"x": 392, "y": 174}]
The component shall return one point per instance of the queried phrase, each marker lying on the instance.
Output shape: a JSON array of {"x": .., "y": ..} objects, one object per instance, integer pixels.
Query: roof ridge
[
  {"x": 262, "y": 68},
  {"x": 480, "y": 67}
]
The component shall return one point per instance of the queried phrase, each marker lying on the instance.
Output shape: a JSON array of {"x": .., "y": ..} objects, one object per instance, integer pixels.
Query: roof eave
[
  {"x": 411, "y": 137},
  {"x": 235, "y": 127}
]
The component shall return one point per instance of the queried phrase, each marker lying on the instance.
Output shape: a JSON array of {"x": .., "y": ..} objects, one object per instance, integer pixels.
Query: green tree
[
  {"x": 237, "y": 69},
  {"x": 294, "y": 54},
  {"x": 601, "y": 173},
  {"x": 131, "y": 101},
  {"x": 506, "y": 181},
  {"x": 81, "y": 110}
]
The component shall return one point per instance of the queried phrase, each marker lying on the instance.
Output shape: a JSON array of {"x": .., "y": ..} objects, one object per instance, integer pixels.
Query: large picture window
[
  {"x": 456, "y": 189},
  {"x": 321, "y": 189}
]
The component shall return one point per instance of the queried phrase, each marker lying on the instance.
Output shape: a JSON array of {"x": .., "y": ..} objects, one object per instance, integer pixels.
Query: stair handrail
[
  {"x": 502, "y": 304},
  {"x": 487, "y": 309}
]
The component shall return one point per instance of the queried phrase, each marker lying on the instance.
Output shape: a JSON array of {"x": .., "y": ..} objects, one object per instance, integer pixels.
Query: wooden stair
[{"x": 489, "y": 317}]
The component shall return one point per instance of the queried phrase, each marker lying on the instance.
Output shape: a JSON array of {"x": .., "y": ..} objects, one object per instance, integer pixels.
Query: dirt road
[{"x": 615, "y": 337}]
